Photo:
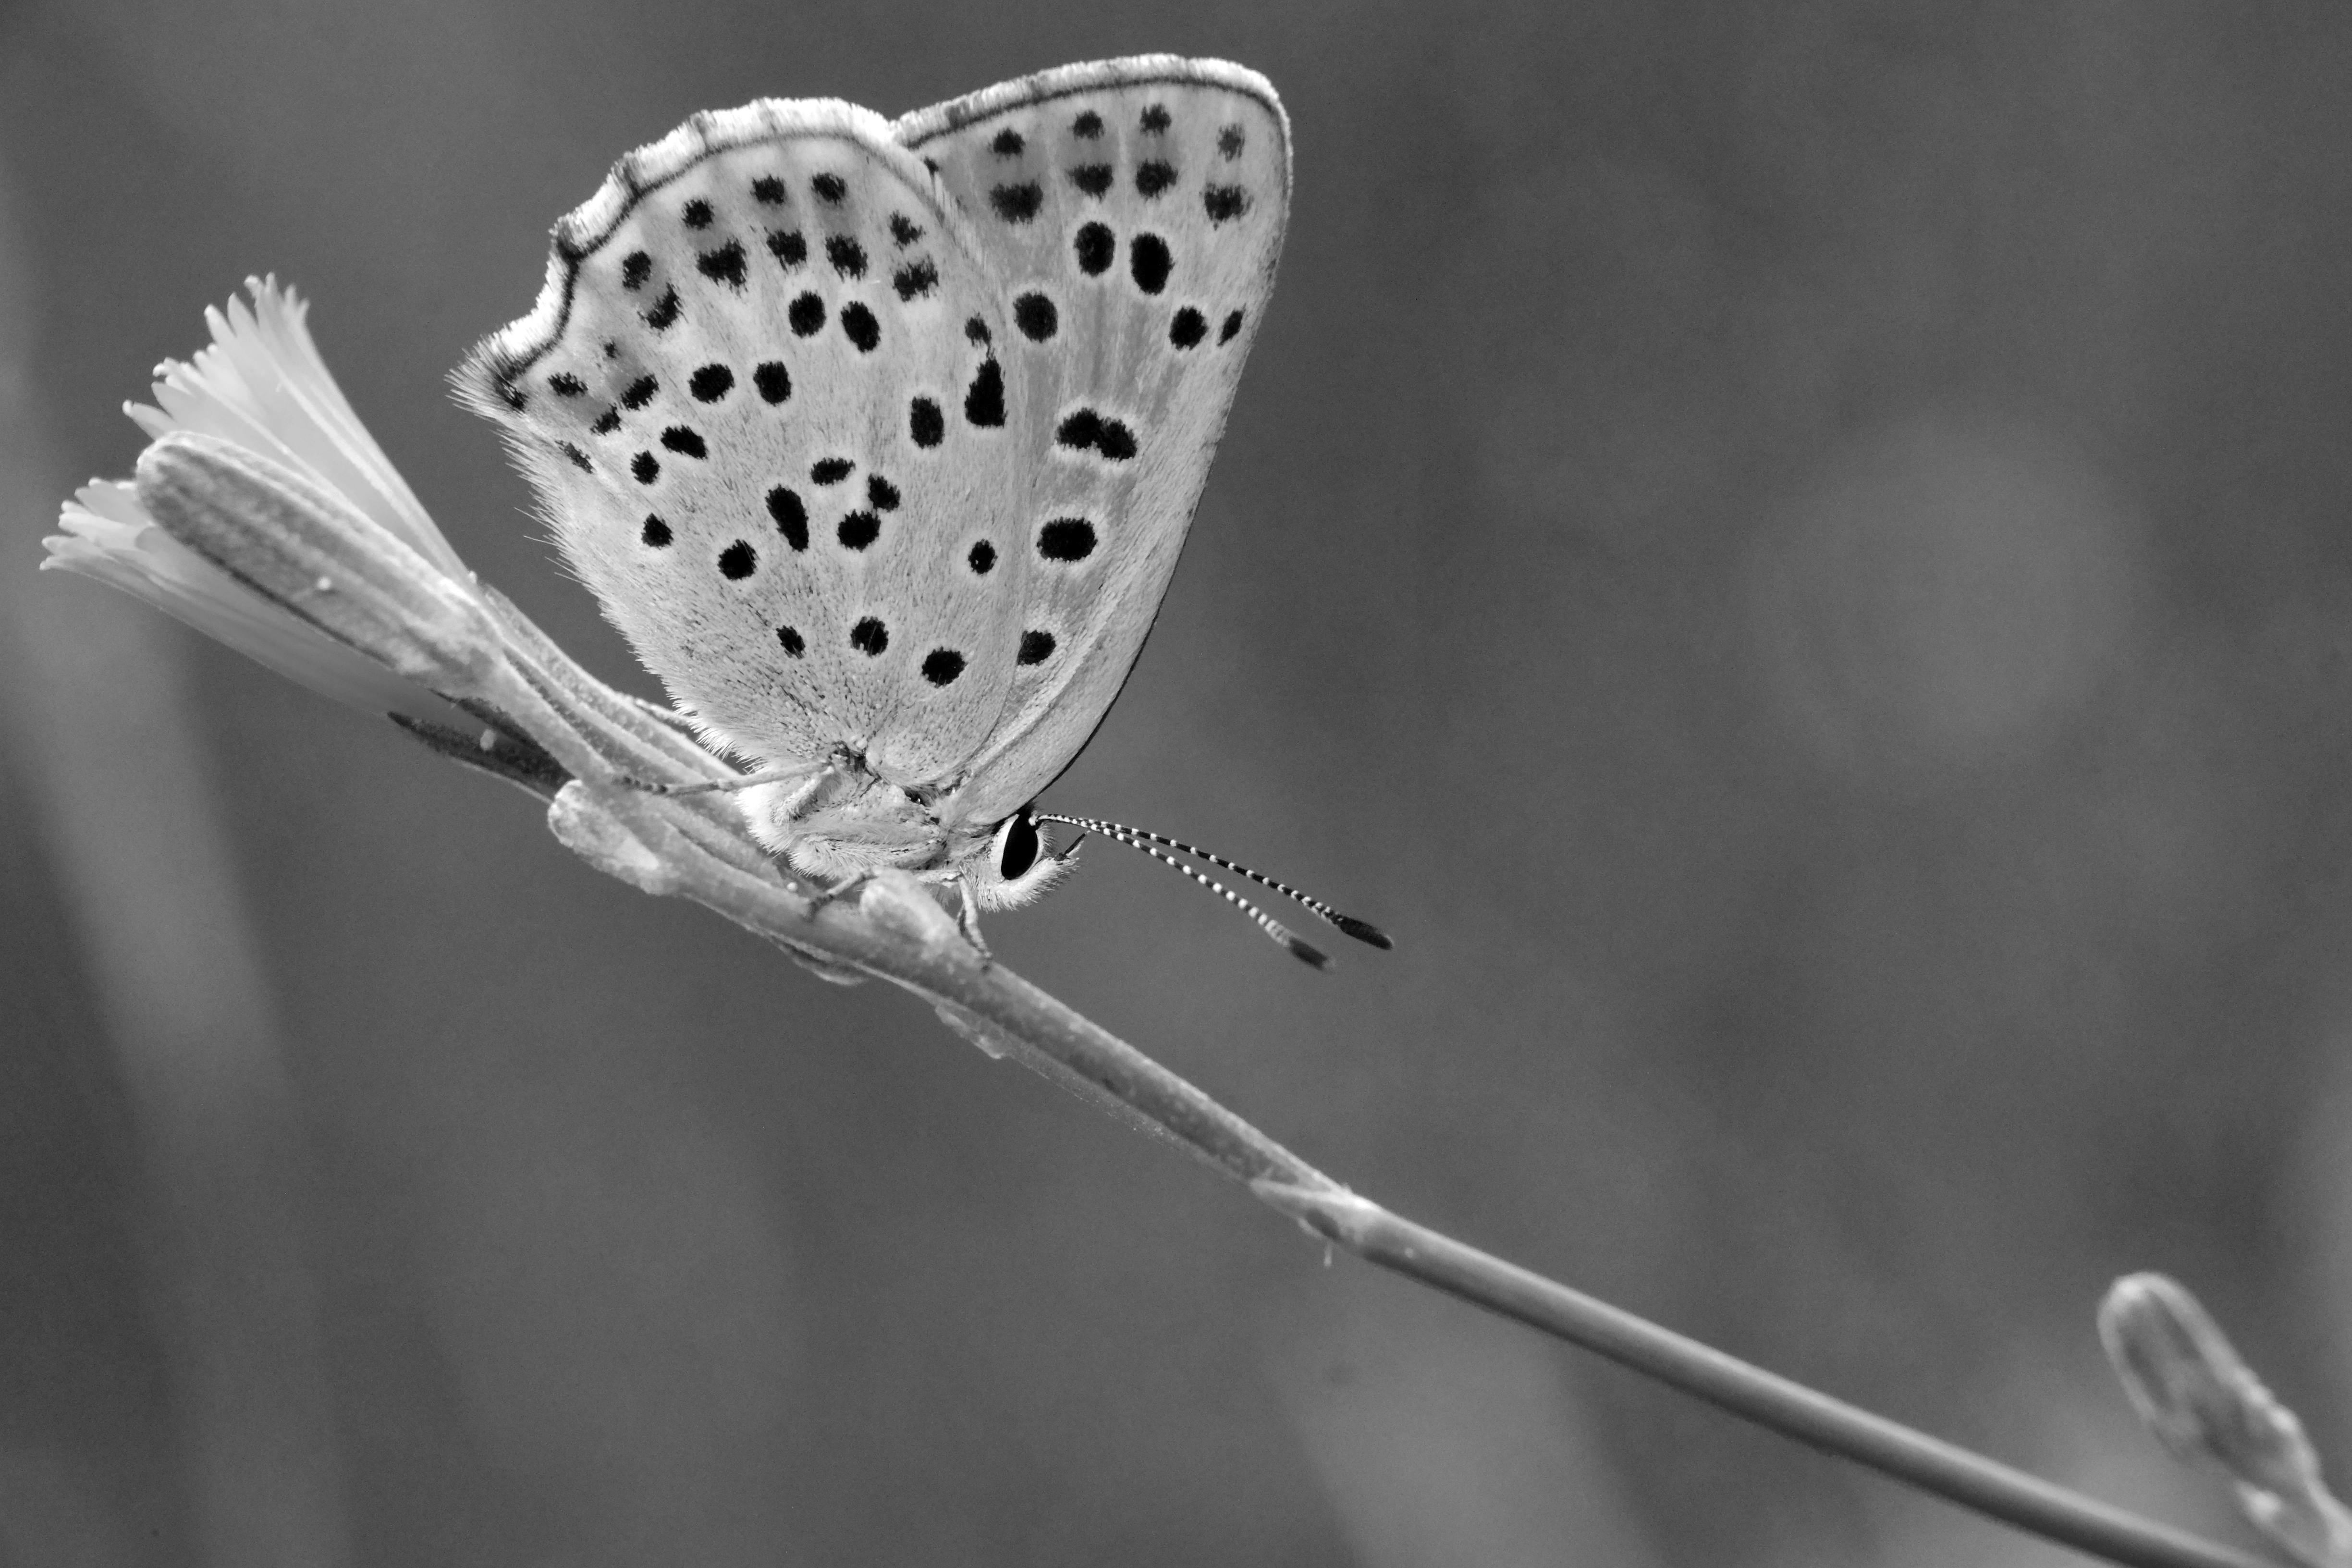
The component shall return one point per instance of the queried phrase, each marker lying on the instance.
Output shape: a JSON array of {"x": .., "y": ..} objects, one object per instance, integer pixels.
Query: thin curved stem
[{"x": 1789, "y": 1408}]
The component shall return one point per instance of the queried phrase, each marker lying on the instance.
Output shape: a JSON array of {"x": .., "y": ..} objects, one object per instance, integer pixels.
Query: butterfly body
[{"x": 879, "y": 440}]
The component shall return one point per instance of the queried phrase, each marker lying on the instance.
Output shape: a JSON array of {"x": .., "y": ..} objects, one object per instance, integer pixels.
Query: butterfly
[{"x": 879, "y": 439}]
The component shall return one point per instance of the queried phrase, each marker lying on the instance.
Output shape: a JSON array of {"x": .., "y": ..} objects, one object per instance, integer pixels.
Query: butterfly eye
[{"x": 1016, "y": 847}]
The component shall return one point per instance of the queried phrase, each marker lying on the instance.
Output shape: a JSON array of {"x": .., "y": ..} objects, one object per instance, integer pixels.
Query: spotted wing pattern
[
  {"x": 761, "y": 400},
  {"x": 1131, "y": 213},
  {"x": 888, "y": 435}
]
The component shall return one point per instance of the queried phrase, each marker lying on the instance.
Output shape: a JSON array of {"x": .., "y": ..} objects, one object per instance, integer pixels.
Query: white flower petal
[
  {"x": 110, "y": 537},
  {"x": 261, "y": 386}
]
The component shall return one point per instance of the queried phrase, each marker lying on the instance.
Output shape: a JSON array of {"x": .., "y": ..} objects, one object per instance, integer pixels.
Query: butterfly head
[{"x": 1019, "y": 863}]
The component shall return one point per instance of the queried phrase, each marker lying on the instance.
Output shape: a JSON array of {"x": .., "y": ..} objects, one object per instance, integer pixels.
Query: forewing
[
  {"x": 759, "y": 399},
  {"x": 1131, "y": 213}
]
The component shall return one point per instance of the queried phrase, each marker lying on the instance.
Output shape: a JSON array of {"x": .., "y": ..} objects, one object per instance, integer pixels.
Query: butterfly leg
[
  {"x": 967, "y": 917},
  {"x": 728, "y": 786},
  {"x": 820, "y": 791},
  {"x": 842, "y": 888},
  {"x": 967, "y": 903}
]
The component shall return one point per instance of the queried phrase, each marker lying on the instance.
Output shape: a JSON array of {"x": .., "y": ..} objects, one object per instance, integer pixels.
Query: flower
[{"x": 260, "y": 386}]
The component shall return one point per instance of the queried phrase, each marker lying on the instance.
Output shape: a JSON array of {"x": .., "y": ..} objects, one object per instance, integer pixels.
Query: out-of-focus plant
[
  {"x": 2205, "y": 1403},
  {"x": 265, "y": 515}
]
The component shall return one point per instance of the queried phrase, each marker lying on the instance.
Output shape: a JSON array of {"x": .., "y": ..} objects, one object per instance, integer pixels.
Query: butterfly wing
[
  {"x": 888, "y": 435},
  {"x": 1131, "y": 213},
  {"x": 761, "y": 401}
]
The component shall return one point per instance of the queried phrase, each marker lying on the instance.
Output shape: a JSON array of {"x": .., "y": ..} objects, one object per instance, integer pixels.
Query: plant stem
[{"x": 1770, "y": 1401}]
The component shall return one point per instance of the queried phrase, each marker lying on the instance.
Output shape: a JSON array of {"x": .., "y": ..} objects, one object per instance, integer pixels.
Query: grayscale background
[{"x": 1795, "y": 554}]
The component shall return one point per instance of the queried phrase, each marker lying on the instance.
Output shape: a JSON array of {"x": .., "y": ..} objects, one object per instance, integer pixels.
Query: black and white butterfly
[{"x": 879, "y": 439}]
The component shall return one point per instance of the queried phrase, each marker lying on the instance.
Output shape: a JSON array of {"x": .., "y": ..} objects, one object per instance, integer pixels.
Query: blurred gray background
[{"x": 1793, "y": 554}]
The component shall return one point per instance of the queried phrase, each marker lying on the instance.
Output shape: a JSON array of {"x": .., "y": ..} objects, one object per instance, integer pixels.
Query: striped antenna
[
  {"x": 1137, "y": 838},
  {"x": 1299, "y": 947}
]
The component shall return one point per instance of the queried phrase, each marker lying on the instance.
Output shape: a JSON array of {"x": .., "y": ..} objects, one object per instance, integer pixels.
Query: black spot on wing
[
  {"x": 685, "y": 441},
  {"x": 1008, "y": 144},
  {"x": 869, "y": 636},
  {"x": 645, "y": 466},
  {"x": 1017, "y": 203},
  {"x": 1092, "y": 179},
  {"x": 926, "y": 426},
  {"x": 984, "y": 401},
  {"x": 848, "y": 257},
  {"x": 1154, "y": 120},
  {"x": 857, "y": 323},
  {"x": 806, "y": 315},
  {"x": 711, "y": 383},
  {"x": 1035, "y": 316},
  {"x": 1148, "y": 262},
  {"x": 1087, "y": 429},
  {"x": 737, "y": 561},
  {"x": 768, "y": 191},
  {"x": 635, "y": 267},
  {"x": 941, "y": 666},
  {"x": 790, "y": 640},
  {"x": 1067, "y": 539},
  {"x": 775, "y": 382},
  {"x": 666, "y": 310},
  {"x": 1230, "y": 330},
  {"x": 916, "y": 279},
  {"x": 1152, "y": 178},
  {"x": 564, "y": 383},
  {"x": 607, "y": 422},
  {"x": 640, "y": 391},
  {"x": 904, "y": 230},
  {"x": 880, "y": 493},
  {"x": 1036, "y": 646},
  {"x": 858, "y": 530},
  {"x": 697, "y": 212},
  {"x": 982, "y": 558},
  {"x": 787, "y": 247},
  {"x": 579, "y": 458},
  {"x": 829, "y": 188},
  {"x": 1095, "y": 246},
  {"x": 1188, "y": 328},
  {"x": 1229, "y": 143},
  {"x": 1087, "y": 126},
  {"x": 791, "y": 517},
  {"x": 831, "y": 471},
  {"x": 655, "y": 532},
  {"x": 1224, "y": 203}
]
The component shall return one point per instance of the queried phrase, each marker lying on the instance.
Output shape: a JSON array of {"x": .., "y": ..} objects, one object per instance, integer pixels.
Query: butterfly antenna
[
  {"x": 1136, "y": 837},
  {"x": 1299, "y": 946}
]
